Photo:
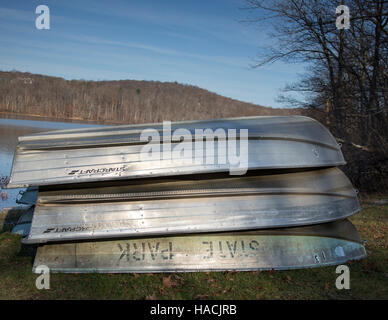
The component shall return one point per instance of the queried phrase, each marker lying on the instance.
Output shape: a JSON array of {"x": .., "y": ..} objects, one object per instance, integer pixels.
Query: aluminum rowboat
[
  {"x": 280, "y": 249},
  {"x": 188, "y": 205},
  {"x": 95, "y": 154}
]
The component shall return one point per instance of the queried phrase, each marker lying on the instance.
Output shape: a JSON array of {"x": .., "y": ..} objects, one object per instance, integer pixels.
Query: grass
[{"x": 369, "y": 277}]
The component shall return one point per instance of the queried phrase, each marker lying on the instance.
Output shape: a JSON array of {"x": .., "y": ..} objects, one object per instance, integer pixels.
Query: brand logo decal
[{"x": 95, "y": 171}]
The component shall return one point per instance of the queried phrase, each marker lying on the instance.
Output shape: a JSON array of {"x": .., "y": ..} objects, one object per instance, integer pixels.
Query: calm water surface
[{"x": 10, "y": 130}]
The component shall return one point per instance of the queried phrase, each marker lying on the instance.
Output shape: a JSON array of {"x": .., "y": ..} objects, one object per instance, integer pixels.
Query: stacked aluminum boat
[{"x": 229, "y": 194}]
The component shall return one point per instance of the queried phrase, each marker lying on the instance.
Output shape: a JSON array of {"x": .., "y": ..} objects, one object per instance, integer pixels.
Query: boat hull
[
  {"x": 113, "y": 153},
  {"x": 185, "y": 205},
  {"x": 278, "y": 249}
]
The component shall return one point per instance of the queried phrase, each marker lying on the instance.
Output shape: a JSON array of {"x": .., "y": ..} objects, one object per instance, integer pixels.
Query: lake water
[{"x": 10, "y": 130}]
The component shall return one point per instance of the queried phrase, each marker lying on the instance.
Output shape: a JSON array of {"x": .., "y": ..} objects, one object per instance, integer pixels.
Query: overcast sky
[{"x": 203, "y": 43}]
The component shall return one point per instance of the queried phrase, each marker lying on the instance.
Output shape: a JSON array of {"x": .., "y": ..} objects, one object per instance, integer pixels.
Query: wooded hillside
[{"x": 125, "y": 101}]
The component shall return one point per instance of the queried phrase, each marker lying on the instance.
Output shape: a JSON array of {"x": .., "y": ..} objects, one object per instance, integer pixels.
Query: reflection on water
[{"x": 10, "y": 130}]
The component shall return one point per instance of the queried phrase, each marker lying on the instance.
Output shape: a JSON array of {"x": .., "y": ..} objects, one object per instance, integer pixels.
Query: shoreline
[{"x": 16, "y": 116}]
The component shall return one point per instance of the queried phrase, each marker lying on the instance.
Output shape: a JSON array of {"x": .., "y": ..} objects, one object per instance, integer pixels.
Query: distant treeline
[{"x": 125, "y": 101}]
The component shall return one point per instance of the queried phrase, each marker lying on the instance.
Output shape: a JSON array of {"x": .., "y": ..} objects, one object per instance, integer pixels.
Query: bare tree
[{"x": 347, "y": 72}]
